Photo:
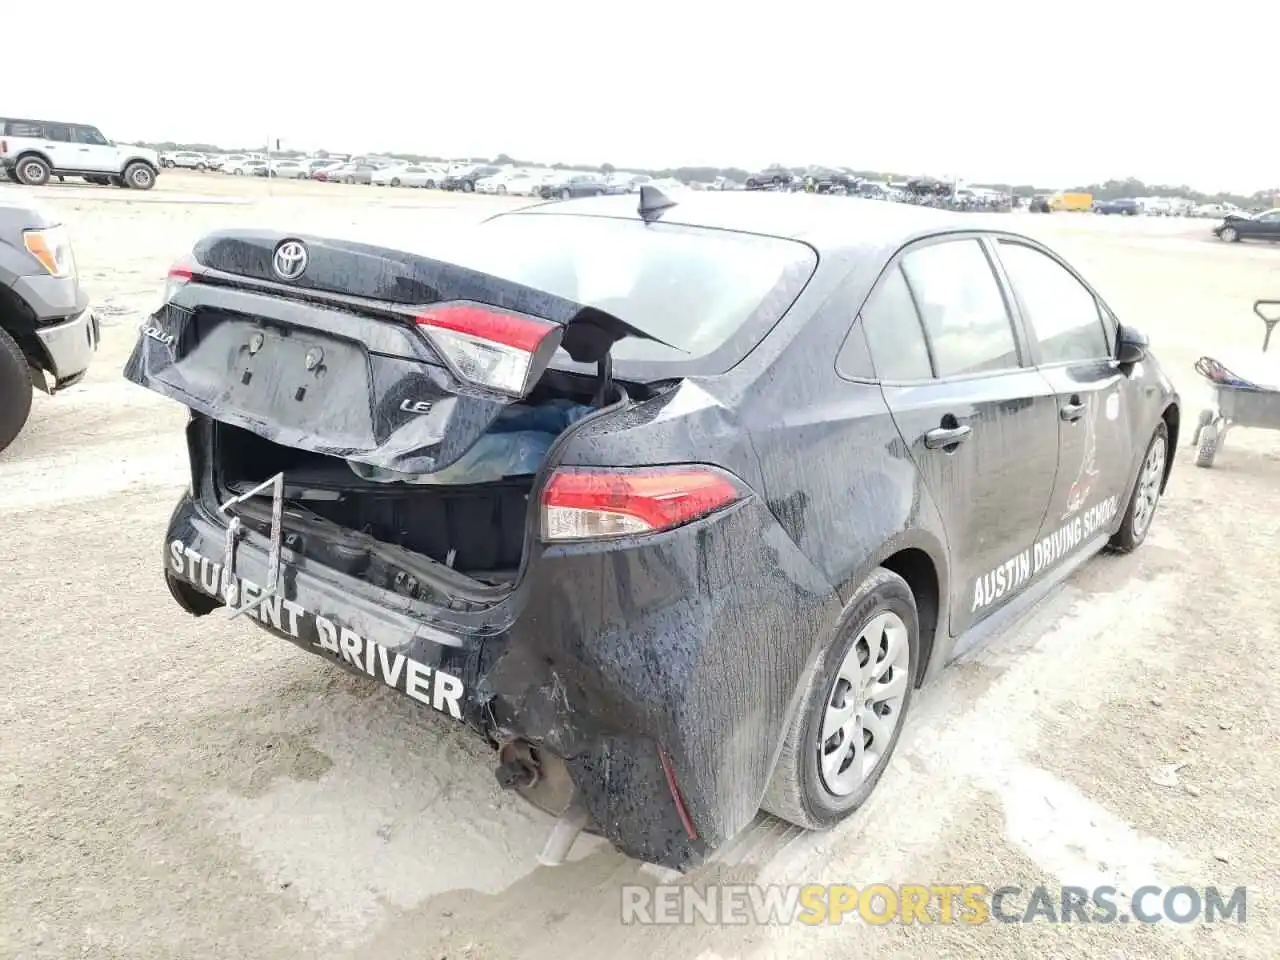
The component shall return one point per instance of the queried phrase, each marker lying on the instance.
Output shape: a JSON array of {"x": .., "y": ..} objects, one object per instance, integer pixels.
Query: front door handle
[
  {"x": 942, "y": 437},
  {"x": 1073, "y": 410}
]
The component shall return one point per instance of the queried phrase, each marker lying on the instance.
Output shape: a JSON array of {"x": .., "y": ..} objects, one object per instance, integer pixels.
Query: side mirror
[{"x": 1131, "y": 345}]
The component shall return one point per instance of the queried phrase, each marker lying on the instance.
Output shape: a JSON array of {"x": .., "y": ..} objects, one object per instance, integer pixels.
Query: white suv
[
  {"x": 187, "y": 159},
  {"x": 32, "y": 151}
]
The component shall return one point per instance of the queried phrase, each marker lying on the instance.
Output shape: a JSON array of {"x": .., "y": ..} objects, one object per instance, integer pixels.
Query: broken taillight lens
[
  {"x": 493, "y": 348},
  {"x": 591, "y": 503},
  {"x": 180, "y": 274}
]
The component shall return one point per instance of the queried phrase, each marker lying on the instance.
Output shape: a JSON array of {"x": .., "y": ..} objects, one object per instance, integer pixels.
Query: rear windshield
[{"x": 694, "y": 288}]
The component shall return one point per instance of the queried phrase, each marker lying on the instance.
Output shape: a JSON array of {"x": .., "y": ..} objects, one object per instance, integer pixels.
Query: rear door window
[
  {"x": 58, "y": 132},
  {"x": 24, "y": 128},
  {"x": 1063, "y": 312},
  {"x": 962, "y": 307},
  {"x": 894, "y": 335}
]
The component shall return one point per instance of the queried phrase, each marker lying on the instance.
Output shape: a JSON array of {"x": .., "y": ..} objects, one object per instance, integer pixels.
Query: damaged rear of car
[{"x": 465, "y": 476}]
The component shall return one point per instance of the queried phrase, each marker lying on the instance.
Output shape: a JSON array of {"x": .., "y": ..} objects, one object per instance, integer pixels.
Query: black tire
[
  {"x": 15, "y": 390},
  {"x": 349, "y": 181},
  {"x": 468, "y": 186},
  {"x": 430, "y": 185},
  {"x": 1130, "y": 536},
  {"x": 1229, "y": 235},
  {"x": 33, "y": 171},
  {"x": 1207, "y": 448},
  {"x": 395, "y": 181},
  {"x": 139, "y": 176},
  {"x": 565, "y": 195},
  {"x": 797, "y": 792},
  {"x": 1205, "y": 418},
  {"x": 201, "y": 167}
]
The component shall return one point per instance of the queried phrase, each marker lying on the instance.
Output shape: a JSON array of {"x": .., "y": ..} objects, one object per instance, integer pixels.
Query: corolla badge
[{"x": 290, "y": 260}]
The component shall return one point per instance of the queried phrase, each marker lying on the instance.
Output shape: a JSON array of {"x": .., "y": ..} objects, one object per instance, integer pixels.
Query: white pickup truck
[{"x": 34, "y": 151}]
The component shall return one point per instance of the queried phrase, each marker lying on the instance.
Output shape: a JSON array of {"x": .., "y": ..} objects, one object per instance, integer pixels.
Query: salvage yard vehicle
[
  {"x": 1262, "y": 226},
  {"x": 33, "y": 151},
  {"x": 48, "y": 333},
  {"x": 674, "y": 503}
]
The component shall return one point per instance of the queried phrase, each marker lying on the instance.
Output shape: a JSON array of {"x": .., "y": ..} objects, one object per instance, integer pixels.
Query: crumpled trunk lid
[{"x": 377, "y": 356}]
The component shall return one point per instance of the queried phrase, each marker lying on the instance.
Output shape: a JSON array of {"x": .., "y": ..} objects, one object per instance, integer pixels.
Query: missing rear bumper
[{"x": 230, "y": 582}]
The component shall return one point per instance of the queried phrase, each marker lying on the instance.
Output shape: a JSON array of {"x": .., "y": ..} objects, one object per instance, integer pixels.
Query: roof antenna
[{"x": 653, "y": 202}]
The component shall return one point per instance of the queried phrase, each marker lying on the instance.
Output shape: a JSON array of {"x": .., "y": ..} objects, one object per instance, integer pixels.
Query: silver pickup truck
[{"x": 48, "y": 333}]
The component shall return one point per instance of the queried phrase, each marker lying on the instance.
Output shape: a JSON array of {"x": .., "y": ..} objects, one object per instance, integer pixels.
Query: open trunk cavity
[{"x": 473, "y": 523}]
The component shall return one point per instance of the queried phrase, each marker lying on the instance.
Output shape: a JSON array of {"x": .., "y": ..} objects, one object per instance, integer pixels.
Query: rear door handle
[
  {"x": 1072, "y": 411},
  {"x": 941, "y": 437}
]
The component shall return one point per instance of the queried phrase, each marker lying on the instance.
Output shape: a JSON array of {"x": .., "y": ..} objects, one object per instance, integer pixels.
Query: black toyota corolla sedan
[{"x": 675, "y": 500}]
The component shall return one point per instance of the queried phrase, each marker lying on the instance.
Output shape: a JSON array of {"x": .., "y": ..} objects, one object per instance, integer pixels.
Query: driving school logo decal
[
  {"x": 1019, "y": 569},
  {"x": 429, "y": 685}
]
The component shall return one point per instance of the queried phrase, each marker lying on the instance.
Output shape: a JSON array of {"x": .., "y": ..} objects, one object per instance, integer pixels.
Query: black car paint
[
  {"x": 770, "y": 176},
  {"x": 466, "y": 179},
  {"x": 1126, "y": 207},
  {"x": 576, "y": 186},
  {"x": 1263, "y": 227},
  {"x": 691, "y": 646}
]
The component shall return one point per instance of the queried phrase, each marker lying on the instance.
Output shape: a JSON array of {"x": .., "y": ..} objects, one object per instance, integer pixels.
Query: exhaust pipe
[
  {"x": 544, "y": 781},
  {"x": 563, "y": 835}
]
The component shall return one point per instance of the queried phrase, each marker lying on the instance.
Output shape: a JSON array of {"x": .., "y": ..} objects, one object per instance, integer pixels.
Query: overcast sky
[{"x": 1052, "y": 93}]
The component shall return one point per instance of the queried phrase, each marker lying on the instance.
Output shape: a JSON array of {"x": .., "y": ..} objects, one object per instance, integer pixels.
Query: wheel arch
[
  {"x": 915, "y": 566},
  {"x": 920, "y": 558},
  {"x": 38, "y": 154},
  {"x": 1172, "y": 417}
]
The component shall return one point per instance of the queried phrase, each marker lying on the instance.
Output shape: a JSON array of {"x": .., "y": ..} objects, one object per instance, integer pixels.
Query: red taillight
[
  {"x": 4, "y": 146},
  {"x": 178, "y": 277},
  {"x": 490, "y": 347},
  {"x": 590, "y": 503}
]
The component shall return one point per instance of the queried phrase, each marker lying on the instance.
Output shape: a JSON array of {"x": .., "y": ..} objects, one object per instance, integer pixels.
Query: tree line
[{"x": 1109, "y": 190}]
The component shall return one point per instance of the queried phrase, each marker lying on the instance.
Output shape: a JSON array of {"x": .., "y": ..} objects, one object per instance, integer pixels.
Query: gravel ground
[{"x": 172, "y": 787}]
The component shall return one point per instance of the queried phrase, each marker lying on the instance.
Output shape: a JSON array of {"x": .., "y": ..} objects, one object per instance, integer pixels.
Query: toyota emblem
[{"x": 290, "y": 261}]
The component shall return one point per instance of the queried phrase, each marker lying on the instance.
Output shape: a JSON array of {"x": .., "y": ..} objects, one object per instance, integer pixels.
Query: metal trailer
[{"x": 1238, "y": 406}]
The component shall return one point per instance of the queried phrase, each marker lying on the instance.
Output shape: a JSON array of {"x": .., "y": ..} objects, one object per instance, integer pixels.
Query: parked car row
[{"x": 548, "y": 184}]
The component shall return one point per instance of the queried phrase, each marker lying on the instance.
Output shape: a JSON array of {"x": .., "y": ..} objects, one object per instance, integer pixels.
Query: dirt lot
[{"x": 183, "y": 788}]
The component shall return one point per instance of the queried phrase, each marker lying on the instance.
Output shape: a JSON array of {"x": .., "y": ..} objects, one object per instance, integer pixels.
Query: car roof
[{"x": 826, "y": 223}]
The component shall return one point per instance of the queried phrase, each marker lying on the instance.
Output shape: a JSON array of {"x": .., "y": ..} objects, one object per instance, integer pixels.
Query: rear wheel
[
  {"x": 15, "y": 390},
  {"x": 33, "y": 171},
  {"x": 851, "y": 713},
  {"x": 1146, "y": 493},
  {"x": 468, "y": 186},
  {"x": 395, "y": 181}
]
